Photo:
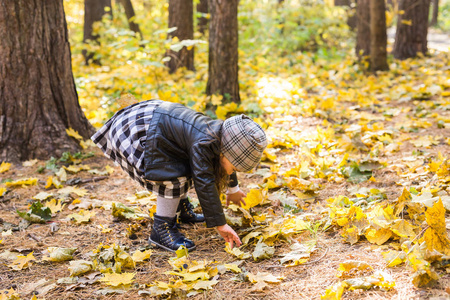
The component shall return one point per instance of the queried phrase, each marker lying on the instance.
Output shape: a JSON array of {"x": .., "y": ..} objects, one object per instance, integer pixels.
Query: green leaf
[{"x": 37, "y": 213}]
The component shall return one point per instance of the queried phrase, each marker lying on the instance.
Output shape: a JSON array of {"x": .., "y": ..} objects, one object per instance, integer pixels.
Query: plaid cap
[{"x": 243, "y": 142}]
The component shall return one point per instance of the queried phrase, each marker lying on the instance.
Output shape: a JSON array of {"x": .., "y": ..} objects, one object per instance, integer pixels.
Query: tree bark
[
  {"x": 363, "y": 28},
  {"x": 202, "y": 22},
  {"x": 412, "y": 29},
  {"x": 38, "y": 98},
  {"x": 94, "y": 10},
  {"x": 378, "y": 36},
  {"x": 129, "y": 12},
  {"x": 223, "y": 50},
  {"x": 181, "y": 16},
  {"x": 435, "y": 13}
]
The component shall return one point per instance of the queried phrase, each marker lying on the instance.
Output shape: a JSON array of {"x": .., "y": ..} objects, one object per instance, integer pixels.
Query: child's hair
[{"x": 221, "y": 175}]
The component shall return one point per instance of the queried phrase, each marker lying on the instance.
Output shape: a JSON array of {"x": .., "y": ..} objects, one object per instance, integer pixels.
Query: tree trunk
[
  {"x": 378, "y": 36},
  {"x": 223, "y": 50},
  {"x": 412, "y": 29},
  {"x": 94, "y": 10},
  {"x": 129, "y": 12},
  {"x": 181, "y": 16},
  {"x": 202, "y": 22},
  {"x": 363, "y": 28},
  {"x": 38, "y": 99},
  {"x": 434, "y": 15}
]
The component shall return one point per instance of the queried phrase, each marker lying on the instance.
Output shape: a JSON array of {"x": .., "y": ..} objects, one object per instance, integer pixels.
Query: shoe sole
[{"x": 152, "y": 242}]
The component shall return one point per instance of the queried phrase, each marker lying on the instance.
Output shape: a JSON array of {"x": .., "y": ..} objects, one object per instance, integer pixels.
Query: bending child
[{"x": 168, "y": 148}]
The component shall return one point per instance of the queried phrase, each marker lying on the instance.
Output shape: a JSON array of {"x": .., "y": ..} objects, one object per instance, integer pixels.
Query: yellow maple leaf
[
  {"x": 22, "y": 262},
  {"x": 76, "y": 169},
  {"x": 55, "y": 205},
  {"x": 378, "y": 236},
  {"x": 2, "y": 191},
  {"x": 394, "y": 258},
  {"x": 4, "y": 167},
  {"x": 403, "y": 228},
  {"x": 253, "y": 198},
  {"x": 115, "y": 279},
  {"x": 81, "y": 217},
  {"x": 236, "y": 252},
  {"x": 264, "y": 276},
  {"x": 53, "y": 181},
  {"x": 140, "y": 256},
  {"x": 436, "y": 237},
  {"x": 351, "y": 267},
  {"x": 335, "y": 291},
  {"x": 22, "y": 182},
  {"x": 71, "y": 132}
]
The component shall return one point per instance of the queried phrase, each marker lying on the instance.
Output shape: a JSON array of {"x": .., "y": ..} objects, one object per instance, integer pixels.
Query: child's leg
[{"x": 166, "y": 207}]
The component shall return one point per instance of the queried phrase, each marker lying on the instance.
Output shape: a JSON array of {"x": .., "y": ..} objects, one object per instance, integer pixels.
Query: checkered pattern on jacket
[{"x": 122, "y": 139}]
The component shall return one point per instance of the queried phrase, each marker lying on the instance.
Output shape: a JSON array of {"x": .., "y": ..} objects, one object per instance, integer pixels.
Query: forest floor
[{"x": 421, "y": 127}]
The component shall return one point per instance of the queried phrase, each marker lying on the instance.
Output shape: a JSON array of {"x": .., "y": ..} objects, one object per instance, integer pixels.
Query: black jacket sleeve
[
  {"x": 233, "y": 180},
  {"x": 202, "y": 157}
]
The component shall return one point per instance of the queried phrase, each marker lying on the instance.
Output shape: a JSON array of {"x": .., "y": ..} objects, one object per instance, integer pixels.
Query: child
[{"x": 168, "y": 147}]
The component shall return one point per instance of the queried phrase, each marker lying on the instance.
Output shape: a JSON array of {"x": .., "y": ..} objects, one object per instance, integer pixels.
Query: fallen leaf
[
  {"x": 22, "y": 262},
  {"x": 350, "y": 267},
  {"x": 237, "y": 252},
  {"x": 262, "y": 251},
  {"x": 264, "y": 277},
  {"x": 4, "y": 167},
  {"x": 55, "y": 205},
  {"x": 22, "y": 182},
  {"x": 73, "y": 133},
  {"x": 82, "y": 217},
  {"x": 37, "y": 213},
  {"x": 140, "y": 256},
  {"x": 115, "y": 279},
  {"x": 58, "y": 254},
  {"x": 78, "y": 267}
]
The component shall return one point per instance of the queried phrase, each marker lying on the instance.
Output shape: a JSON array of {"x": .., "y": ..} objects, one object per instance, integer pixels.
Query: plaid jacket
[{"x": 181, "y": 141}]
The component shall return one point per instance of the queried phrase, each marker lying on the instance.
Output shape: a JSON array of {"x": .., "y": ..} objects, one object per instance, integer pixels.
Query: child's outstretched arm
[{"x": 229, "y": 235}]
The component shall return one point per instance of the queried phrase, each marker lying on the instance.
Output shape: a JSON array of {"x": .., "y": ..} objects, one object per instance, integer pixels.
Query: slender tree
[
  {"x": 129, "y": 12},
  {"x": 181, "y": 16},
  {"x": 94, "y": 10},
  {"x": 363, "y": 28},
  {"x": 378, "y": 36},
  {"x": 202, "y": 21},
  {"x": 412, "y": 28},
  {"x": 223, "y": 50},
  {"x": 435, "y": 13},
  {"x": 38, "y": 99}
]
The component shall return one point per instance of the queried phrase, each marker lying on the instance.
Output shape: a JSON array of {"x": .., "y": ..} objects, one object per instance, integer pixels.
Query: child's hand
[
  {"x": 237, "y": 198},
  {"x": 229, "y": 235}
]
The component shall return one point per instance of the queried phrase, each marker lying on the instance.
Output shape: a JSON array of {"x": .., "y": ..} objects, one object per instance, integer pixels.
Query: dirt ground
[{"x": 306, "y": 281}]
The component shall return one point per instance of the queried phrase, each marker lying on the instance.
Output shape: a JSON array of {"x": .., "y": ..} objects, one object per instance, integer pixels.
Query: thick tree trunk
[
  {"x": 378, "y": 36},
  {"x": 223, "y": 50},
  {"x": 202, "y": 22},
  {"x": 38, "y": 99},
  {"x": 129, "y": 12},
  {"x": 412, "y": 29},
  {"x": 363, "y": 28},
  {"x": 94, "y": 10},
  {"x": 434, "y": 14},
  {"x": 181, "y": 16}
]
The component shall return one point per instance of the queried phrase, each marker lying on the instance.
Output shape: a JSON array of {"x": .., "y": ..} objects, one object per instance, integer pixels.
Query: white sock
[{"x": 166, "y": 207}]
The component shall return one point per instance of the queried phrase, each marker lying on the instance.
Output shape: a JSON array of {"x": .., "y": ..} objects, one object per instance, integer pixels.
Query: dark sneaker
[
  {"x": 165, "y": 235},
  {"x": 186, "y": 213}
]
